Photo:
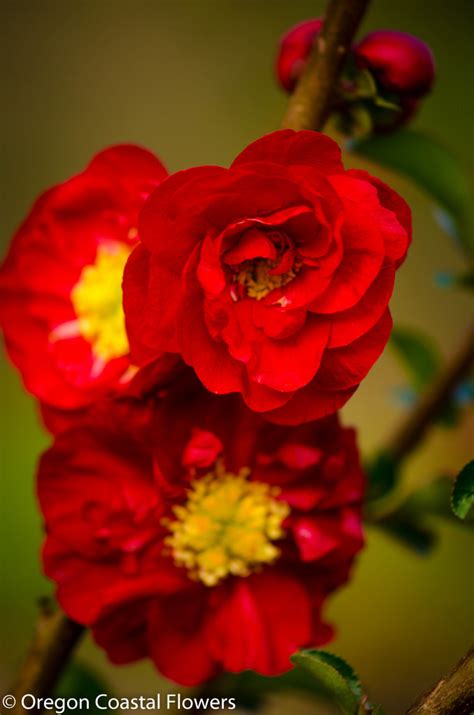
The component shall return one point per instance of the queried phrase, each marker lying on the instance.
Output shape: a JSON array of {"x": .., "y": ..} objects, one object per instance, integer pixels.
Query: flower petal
[{"x": 289, "y": 147}]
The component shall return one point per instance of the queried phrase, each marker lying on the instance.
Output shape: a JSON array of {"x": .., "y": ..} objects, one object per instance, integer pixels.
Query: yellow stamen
[
  {"x": 227, "y": 526},
  {"x": 97, "y": 300}
]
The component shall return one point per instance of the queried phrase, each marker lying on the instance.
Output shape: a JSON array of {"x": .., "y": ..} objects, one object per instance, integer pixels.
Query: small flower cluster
[
  {"x": 201, "y": 499},
  {"x": 386, "y": 76}
]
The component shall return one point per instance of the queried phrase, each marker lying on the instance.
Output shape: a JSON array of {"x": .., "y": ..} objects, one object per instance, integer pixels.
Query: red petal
[
  {"x": 262, "y": 622},
  {"x": 289, "y": 364},
  {"x": 202, "y": 449},
  {"x": 253, "y": 243},
  {"x": 277, "y": 322},
  {"x": 349, "y": 325},
  {"x": 164, "y": 227},
  {"x": 299, "y": 456},
  {"x": 363, "y": 247},
  {"x": 178, "y": 638},
  {"x": 315, "y": 536},
  {"x": 398, "y": 232},
  {"x": 344, "y": 368},
  {"x": 310, "y": 403},
  {"x": 122, "y": 633},
  {"x": 288, "y": 147},
  {"x": 128, "y": 162}
]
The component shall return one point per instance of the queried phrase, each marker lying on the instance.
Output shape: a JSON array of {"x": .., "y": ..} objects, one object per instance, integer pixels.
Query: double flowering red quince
[
  {"x": 196, "y": 533},
  {"x": 272, "y": 278},
  {"x": 60, "y": 285}
]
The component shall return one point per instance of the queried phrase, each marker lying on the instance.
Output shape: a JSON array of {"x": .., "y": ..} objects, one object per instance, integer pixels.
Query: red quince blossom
[
  {"x": 60, "y": 285},
  {"x": 271, "y": 278},
  {"x": 293, "y": 51},
  {"x": 194, "y": 532},
  {"x": 401, "y": 63}
]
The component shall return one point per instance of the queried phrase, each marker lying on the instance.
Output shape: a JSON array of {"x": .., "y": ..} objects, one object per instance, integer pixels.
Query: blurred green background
[{"x": 193, "y": 81}]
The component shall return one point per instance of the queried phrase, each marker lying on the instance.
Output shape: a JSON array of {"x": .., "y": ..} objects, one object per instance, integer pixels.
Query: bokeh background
[{"x": 193, "y": 80}]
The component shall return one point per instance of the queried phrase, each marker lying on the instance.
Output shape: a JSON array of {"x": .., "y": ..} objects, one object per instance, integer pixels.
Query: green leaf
[
  {"x": 419, "y": 354},
  {"x": 317, "y": 673},
  {"x": 432, "y": 166},
  {"x": 383, "y": 475},
  {"x": 409, "y": 532},
  {"x": 334, "y": 676},
  {"x": 462, "y": 497},
  {"x": 413, "y": 522}
]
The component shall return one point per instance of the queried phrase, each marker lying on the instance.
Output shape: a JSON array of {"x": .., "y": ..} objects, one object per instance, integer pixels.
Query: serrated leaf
[
  {"x": 317, "y": 673},
  {"x": 336, "y": 678},
  {"x": 463, "y": 491},
  {"x": 419, "y": 354},
  {"x": 432, "y": 166}
]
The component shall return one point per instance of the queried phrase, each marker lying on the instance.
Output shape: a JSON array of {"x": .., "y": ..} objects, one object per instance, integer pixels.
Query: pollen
[
  {"x": 228, "y": 526},
  {"x": 259, "y": 279},
  {"x": 97, "y": 301}
]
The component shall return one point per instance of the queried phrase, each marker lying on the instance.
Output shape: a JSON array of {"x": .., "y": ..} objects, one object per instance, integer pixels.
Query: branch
[
  {"x": 54, "y": 640},
  {"x": 431, "y": 405},
  {"x": 310, "y": 103},
  {"x": 453, "y": 695}
]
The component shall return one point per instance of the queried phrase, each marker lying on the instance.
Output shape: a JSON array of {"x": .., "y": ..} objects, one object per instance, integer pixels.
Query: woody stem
[
  {"x": 53, "y": 642},
  {"x": 413, "y": 430},
  {"x": 452, "y": 695}
]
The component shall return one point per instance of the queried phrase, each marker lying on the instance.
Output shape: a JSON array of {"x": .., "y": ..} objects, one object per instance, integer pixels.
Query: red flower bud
[
  {"x": 400, "y": 62},
  {"x": 295, "y": 47}
]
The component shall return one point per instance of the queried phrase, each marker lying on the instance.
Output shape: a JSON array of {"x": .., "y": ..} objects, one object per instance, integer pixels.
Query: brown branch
[
  {"x": 54, "y": 640},
  {"x": 453, "y": 695},
  {"x": 431, "y": 405},
  {"x": 310, "y": 103}
]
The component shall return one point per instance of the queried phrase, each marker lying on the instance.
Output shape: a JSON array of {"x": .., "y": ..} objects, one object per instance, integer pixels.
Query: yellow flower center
[
  {"x": 227, "y": 526},
  {"x": 97, "y": 301},
  {"x": 256, "y": 277}
]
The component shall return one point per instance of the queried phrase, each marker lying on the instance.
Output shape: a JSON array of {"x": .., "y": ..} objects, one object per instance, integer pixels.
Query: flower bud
[
  {"x": 400, "y": 62},
  {"x": 294, "y": 50}
]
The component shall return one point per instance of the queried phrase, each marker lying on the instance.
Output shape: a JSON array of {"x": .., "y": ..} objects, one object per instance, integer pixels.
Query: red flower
[
  {"x": 198, "y": 534},
  {"x": 271, "y": 278},
  {"x": 60, "y": 285},
  {"x": 295, "y": 46}
]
